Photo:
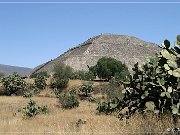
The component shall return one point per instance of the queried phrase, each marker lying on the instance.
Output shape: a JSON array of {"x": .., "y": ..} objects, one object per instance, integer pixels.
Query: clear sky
[{"x": 34, "y": 33}]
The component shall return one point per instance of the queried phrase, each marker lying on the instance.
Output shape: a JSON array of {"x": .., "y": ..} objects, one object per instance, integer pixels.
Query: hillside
[
  {"x": 127, "y": 49},
  {"x": 6, "y": 69}
]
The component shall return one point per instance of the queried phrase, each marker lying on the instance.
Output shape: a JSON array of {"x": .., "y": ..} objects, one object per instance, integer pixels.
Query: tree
[
  {"x": 106, "y": 68},
  {"x": 62, "y": 73}
]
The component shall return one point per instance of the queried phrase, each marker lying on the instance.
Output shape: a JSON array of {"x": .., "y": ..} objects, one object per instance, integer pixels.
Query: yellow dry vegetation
[
  {"x": 65, "y": 122},
  {"x": 68, "y": 122}
]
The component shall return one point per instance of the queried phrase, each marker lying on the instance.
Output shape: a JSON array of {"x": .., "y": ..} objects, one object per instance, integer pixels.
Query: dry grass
[
  {"x": 59, "y": 121},
  {"x": 65, "y": 122}
]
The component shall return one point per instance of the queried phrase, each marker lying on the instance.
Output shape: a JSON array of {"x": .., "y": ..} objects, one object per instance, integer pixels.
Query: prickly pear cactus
[
  {"x": 155, "y": 85},
  {"x": 14, "y": 84}
]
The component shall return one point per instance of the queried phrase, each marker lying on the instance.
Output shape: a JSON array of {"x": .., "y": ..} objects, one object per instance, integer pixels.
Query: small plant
[
  {"x": 86, "y": 89},
  {"x": 68, "y": 100},
  {"x": 79, "y": 123},
  {"x": 27, "y": 94},
  {"x": 34, "y": 88},
  {"x": 74, "y": 91},
  {"x": 109, "y": 106},
  {"x": 32, "y": 109},
  {"x": 40, "y": 81}
]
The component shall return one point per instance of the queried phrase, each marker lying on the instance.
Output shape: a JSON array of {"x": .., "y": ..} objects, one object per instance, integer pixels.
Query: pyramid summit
[{"x": 127, "y": 49}]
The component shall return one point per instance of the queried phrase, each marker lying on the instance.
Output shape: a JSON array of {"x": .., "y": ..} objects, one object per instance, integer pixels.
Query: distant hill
[
  {"x": 127, "y": 49},
  {"x": 6, "y": 69}
]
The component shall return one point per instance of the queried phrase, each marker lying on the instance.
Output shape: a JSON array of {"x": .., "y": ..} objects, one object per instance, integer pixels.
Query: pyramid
[{"x": 127, "y": 49}]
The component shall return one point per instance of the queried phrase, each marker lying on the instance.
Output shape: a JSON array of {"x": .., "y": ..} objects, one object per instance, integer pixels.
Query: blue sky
[{"x": 34, "y": 33}]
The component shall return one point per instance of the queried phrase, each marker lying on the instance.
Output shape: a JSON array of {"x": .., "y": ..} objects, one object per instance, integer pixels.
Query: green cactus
[
  {"x": 14, "y": 84},
  {"x": 32, "y": 109},
  {"x": 154, "y": 86}
]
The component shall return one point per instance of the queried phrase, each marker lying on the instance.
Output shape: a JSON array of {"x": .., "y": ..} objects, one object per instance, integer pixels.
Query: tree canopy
[{"x": 107, "y": 67}]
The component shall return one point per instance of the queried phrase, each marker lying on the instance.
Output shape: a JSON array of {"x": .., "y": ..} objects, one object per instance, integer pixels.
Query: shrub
[
  {"x": 59, "y": 83},
  {"x": 32, "y": 109},
  {"x": 74, "y": 91},
  {"x": 33, "y": 88},
  {"x": 82, "y": 75},
  {"x": 14, "y": 84},
  {"x": 43, "y": 73},
  {"x": 86, "y": 89},
  {"x": 40, "y": 82},
  {"x": 62, "y": 73},
  {"x": 68, "y": 100},
  {"x": 27, "y": 94},
  {"x": 106, "y": 68}
]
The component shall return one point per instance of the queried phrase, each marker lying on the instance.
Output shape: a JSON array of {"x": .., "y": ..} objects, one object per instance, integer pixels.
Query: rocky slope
[{"x": 127, "y": 49}]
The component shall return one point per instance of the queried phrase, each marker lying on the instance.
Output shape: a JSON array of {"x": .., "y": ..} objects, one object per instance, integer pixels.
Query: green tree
[
  {"x": 107, "y": 68},
  {"x": 62, "y": 73}
]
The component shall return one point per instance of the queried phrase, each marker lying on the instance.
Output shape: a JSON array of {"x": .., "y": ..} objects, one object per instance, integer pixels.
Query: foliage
[
  {"x": 14, "y": 84},
  {"x": 82, "y": 75},
  {"x": 59, "y": 83},
  {"x": 32, "y": 109},
  {"x": 62, "y": 73},
  {"x": 43, "y": 73},
  {"x": 33, "y": 88},
  {"x": 40, "y": 81},
  {"x": 114, "y": 89},
  {"x": 106, "y": 68},
  {"x": 155, "y": 85},
  {"x": 74, "y": 91},
  {"x": 86, "y": 89},
  {"x": 27, "y": 94},
  {"x": 108, "y": 107},
  {"x": 68, "y": 100}
]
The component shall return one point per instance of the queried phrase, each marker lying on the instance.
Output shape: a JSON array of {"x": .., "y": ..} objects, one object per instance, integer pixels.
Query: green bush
[
  {"x": 59, "y": 83},
  {"x": 43, "y": 73},
  {"x": 32, "y": 109},
  {"x": 106, "y": 68},
  {"x": 68, "y": 100},
  {"x": 27, "y": 95},
  {"x": 33, "y": 88},
  {"x": 74, "y": 91},
  {"x": 86, "y": 89},
  {"x": 14, "y": 84},
  {"x": 40, "y": 82},
  {"x": 82, "y": 75},
  {"x": 62, "y": 73}
]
